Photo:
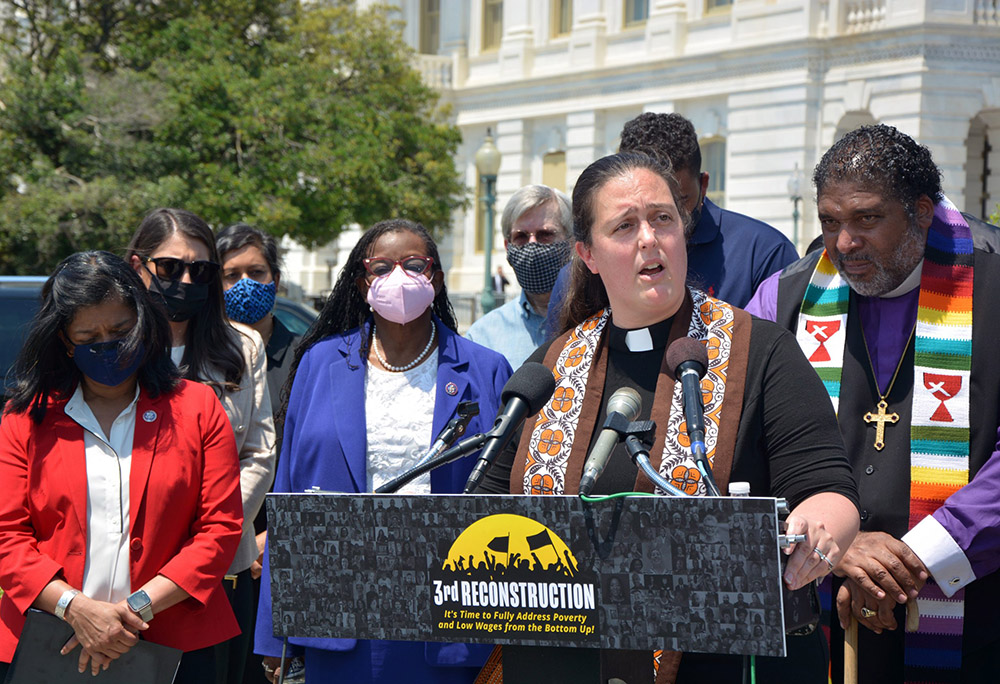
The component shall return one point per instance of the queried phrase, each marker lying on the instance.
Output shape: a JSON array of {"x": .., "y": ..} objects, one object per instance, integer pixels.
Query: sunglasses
[
  {"x": 172, "y": 268},
  {"x": 414, "y": 265}
]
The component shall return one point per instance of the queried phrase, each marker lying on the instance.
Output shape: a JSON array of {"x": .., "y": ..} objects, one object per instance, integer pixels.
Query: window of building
[
  {"x": 492, "y": 24},
  {"x": 562, "y": 17},
  {"x": 636, "y": 12},
  {"x": 717, "y": 6},
  {"x": 982, "y": 156},
  {"x": 713, "y": 160},
  {"x": 554, "y": 170},
  {"x": 430, "y": 26}
]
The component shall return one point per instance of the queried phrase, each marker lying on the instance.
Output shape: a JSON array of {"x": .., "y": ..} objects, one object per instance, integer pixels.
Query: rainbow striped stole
[{"x": 939, "y": 429}]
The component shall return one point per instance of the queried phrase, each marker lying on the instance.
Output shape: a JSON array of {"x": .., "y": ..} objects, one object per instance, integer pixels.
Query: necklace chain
[
  {"x": 892, "y": 381},
  {"x": 411, "y": 364}
]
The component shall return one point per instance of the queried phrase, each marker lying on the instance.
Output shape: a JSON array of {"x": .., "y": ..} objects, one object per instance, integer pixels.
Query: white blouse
[
  {"x": 109, "y": 465},
  {"x": 399, "y": 417}
]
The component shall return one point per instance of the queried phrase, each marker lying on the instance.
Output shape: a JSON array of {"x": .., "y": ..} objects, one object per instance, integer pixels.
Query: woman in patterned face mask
[
  {"x": 627, "y": 302},
  {"x": 251, "y": 273}
]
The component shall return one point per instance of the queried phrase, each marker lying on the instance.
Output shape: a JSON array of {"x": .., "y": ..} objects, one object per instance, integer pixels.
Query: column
[
  {"x": 517, "y": 48},
  {"x": 584, "y": 143},
  {"x": 588, "y": 39},
  {"x": 666, "y": 28}
]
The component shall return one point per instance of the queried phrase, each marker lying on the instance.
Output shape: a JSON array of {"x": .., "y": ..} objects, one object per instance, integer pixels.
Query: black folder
[{"x": 37, "y": 658}]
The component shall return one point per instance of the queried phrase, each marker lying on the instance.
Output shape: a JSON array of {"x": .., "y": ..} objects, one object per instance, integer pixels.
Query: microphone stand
[
  {"x": 463, "y": 448},
  {"x": 635, "y": 433},
  {"x": 640, "y": 456}
]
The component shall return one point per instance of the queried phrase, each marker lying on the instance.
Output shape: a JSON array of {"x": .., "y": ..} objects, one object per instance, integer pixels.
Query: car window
[
  {"x": 296, "y": 317},
  {"x": 16, "y": 310}
]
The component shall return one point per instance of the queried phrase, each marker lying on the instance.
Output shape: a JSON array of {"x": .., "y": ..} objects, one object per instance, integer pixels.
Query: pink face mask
[{"x": 399, "y": 297}]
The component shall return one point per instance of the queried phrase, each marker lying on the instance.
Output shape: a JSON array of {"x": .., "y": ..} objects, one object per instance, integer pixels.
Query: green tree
[{"x": 297, "y": 118}]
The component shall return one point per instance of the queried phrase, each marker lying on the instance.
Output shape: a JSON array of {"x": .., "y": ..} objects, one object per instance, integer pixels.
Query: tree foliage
[{"x": 299, "y": 118}]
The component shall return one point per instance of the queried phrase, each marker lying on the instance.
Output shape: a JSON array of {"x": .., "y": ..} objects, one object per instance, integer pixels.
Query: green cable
[
  {"x": 753, "y": 669},
  {"x": 593, "y": 499}
]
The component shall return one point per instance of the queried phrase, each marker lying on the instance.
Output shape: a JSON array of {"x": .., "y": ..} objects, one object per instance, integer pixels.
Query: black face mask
[{"x": 181, "y": 300}]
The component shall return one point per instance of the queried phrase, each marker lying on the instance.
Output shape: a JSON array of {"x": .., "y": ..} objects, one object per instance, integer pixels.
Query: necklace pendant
[{"x": 880, "y": 419}]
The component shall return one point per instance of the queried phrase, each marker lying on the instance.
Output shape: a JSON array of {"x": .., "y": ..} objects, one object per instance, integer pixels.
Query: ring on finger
[
  {"x": 823, "y": 556},
  {"x": 867, "y": 613}
]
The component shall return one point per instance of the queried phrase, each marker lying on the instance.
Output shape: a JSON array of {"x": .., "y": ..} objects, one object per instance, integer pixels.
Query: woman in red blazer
[{"x": 121, "y": 505}]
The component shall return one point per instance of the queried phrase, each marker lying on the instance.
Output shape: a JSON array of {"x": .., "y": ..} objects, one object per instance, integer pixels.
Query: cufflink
[{"x": 954, "y": 580}]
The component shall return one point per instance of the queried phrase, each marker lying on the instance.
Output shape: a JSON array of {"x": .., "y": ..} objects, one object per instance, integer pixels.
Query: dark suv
[{"x": 19, "y": 300}]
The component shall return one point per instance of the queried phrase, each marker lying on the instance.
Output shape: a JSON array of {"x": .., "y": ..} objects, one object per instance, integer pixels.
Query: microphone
[
  {"x": 435, "y": 456},
  {"x": 525, "y": 394},
  {"x": 452, "y": 431},
  {"x": 626, "y": 403},
  {"x": 688, "y": 358}
]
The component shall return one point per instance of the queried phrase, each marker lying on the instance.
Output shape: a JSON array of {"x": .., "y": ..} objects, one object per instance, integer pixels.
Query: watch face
[{"x": 138, "y": 600}]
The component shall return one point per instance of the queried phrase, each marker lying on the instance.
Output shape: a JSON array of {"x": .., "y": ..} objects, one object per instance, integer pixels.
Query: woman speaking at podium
[
  {"x": 768, "y": 419},
  {"x": 376, "y": 378}
]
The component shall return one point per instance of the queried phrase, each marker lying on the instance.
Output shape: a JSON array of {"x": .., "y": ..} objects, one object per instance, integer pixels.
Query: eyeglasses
[
  {"x": 172, "y": 268},
  {"x": 414, "y": 265},
  {"x": 545, "y": 236}
]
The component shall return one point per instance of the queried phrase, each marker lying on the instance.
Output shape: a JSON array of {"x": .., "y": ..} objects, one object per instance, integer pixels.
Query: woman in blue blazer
[{"x": 374, "y": 381}]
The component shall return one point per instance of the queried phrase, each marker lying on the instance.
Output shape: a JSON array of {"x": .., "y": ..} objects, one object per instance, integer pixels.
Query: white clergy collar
[{"x": 639, "y": 340}]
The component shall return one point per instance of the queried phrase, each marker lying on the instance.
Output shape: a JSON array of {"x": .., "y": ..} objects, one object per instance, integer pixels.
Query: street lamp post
[
  {"x": 795, "y": 194},
  {"x": 488, "y": 164}
]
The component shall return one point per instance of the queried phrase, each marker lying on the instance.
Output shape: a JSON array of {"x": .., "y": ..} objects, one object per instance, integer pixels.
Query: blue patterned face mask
[{"x": 249, "y": 301}]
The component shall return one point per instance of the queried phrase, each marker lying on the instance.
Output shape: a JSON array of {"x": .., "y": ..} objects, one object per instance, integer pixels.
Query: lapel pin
[
  {"x": 149, "y": 416},
  {"x": 451, "y": 388}
]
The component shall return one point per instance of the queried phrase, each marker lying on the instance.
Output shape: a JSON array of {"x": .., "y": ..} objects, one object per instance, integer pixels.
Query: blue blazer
[{"x": 325, "y": 440}]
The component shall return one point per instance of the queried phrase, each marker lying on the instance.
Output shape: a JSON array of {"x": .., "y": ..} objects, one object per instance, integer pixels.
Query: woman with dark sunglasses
[
  {"x": 121, "y": 489},
  {"x": 373, "y": 382},
  {"x": 174, "y": 253}
]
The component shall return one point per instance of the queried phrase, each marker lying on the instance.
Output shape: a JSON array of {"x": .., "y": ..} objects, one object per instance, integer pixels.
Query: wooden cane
[
  {"x": 851, "y": 652},
  {"x": 912, "y": 616}
]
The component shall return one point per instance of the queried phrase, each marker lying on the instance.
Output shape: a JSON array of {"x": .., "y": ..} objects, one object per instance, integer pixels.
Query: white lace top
[{"x": 399, "y": 416}]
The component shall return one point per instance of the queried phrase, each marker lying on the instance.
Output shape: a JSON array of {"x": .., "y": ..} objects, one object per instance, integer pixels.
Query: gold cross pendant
[{"x": 880, "y": 419}]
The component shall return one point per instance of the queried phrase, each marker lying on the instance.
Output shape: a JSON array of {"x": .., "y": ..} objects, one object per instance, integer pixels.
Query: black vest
[{"x": 883, "y": 477}]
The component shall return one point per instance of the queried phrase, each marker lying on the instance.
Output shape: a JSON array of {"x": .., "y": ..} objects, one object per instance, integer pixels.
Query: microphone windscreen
[
  {"x": 532, "y": 382},
  {"x": 686, "y": 349}
]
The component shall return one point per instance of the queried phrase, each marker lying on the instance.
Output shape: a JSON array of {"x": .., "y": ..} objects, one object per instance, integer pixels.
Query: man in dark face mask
[{"x": 537, "y": 225}]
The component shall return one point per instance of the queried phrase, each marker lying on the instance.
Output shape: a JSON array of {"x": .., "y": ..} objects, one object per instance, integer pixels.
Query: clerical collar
[
  {"x": 641, "y": 339},
  {"x": 911, "y": 283}
]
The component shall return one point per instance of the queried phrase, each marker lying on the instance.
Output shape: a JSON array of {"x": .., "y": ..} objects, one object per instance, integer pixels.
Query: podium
[{"x": 635, "y": 573}]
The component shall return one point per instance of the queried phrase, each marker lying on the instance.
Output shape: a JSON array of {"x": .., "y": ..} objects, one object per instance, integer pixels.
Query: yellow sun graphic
[{"x": 507, "y": 539}]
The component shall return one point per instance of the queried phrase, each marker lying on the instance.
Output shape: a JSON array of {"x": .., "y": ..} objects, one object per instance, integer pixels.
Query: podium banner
[{"x": 698, "y": 574}]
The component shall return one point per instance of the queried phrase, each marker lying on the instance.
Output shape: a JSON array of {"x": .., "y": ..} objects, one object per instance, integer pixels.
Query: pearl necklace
[{"x": 411, "y": 364}]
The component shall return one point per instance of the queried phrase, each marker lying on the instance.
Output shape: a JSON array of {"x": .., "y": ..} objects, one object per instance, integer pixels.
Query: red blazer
[{"x": 186, "y": 511}]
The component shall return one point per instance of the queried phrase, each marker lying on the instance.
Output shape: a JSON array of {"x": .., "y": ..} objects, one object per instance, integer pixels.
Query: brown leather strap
[{"x": 732, "y": 408}]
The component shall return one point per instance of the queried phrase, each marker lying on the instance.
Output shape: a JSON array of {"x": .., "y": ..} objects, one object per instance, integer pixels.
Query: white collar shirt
[{"x": 109, "y": 461}]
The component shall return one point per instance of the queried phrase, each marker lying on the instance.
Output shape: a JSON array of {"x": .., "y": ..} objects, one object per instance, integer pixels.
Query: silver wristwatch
[{"x": 63, "y": 603}]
